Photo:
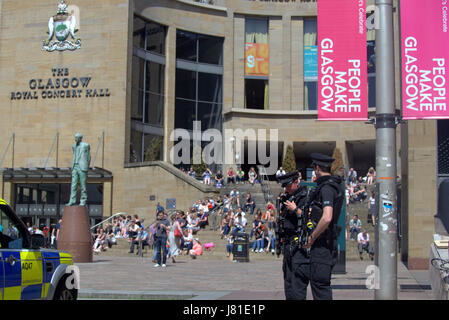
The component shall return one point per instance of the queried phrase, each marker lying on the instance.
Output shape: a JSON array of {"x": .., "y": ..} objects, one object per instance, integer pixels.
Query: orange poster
[{"x": 256, "y": 59}]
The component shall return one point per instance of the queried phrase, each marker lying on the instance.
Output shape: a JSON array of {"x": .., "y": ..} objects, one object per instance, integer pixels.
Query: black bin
[{"x": 240, "y": 249}]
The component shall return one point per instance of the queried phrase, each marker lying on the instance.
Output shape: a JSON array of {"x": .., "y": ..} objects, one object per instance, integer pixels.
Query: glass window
[
  {"x": 156, "y": 34},
  {"x": 256, "y": 94},
  {"x": 137, "y": 88},
  {"x": 10, "y": 237},
  {"x": 154, "y": 109},
  {"x": 148, "y": 83},
  {"x": 186, "y": 46},
  {"x": 153, "y": 147},
  {"x": 198, "y": 94},
  {"x": 256, "y": 30},
  {"x": 310, "y": 65},
  {"x": 210, "y": 115},
  {"x": 94, "y": 193},
  {"x": 136, "y": 146},
  {"x": 155, "y": 76},
  {"x": 210, "y": 50},
  {"x": 185, "y": 84},
  {"x": 49, "y": 193},
  {"x": 209, "y": 87},
  {"x": 139, "y": 33},
  {"x": 311, "y": 95},
  {"x": 185, "y": 114}
]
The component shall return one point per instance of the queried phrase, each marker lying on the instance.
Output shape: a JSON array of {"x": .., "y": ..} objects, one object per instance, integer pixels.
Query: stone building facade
[{"x": 147, "y": 67}]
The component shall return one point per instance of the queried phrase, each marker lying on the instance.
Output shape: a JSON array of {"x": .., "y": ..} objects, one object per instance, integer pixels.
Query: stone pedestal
[{"x": 74, "y": 235}]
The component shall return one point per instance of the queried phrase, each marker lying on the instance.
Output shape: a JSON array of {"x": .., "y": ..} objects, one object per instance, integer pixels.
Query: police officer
[{"x": 313, "y": 262}]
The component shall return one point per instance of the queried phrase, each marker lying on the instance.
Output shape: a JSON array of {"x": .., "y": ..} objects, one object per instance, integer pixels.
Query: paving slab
[{"x": 208, "y": 279}]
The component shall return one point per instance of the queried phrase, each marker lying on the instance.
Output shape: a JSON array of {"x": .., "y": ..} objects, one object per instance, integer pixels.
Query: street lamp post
[{"x": 385, "y": 123}]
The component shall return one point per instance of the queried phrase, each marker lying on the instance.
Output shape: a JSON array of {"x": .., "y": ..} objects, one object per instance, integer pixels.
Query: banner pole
[{"x": 385, "y": 123}]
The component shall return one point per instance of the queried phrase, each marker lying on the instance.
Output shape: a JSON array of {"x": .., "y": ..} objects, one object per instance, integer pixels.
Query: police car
[{"x": 27, "y": 270}]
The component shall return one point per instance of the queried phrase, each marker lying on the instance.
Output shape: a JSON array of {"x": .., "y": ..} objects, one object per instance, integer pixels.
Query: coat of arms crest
[{"x": 61, "y": 26}]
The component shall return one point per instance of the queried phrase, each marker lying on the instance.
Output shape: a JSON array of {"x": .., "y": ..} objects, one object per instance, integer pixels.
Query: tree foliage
[{"x": 289, "y": 161}]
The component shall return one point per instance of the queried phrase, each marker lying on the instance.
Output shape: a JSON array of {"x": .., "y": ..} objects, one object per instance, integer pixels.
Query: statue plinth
[{"x": 74, "y": 235}]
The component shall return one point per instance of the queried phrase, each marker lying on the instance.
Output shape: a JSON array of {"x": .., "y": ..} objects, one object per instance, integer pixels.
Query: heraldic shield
[{"x": 62, "y": 26}]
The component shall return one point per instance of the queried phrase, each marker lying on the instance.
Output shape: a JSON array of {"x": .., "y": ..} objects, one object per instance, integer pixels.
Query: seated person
[
  {"x": 225, "y": 225},
  {"x": 188, "y": 239},
  {"x": 191, "y": 172},
  {"x": 133, "y": 230},
  {"x": 359, "y": 192},
  {"x": 219, "y": 179},
  {"x": 240, "y": 176},
  {"x": 235, "y": 196},
  {"x": 196, "y": 250},
  {"x": 99, "y": 243},
  {"x": 231, "y": 176},
  {"x": 355, "y": 226},
  {"x": 203, "y": 219},
  {"x": 259, "y": 235},
  {"x": 239, "y": 224},
  {"x": 249, "y": 204},
  {"x": 252, "y": 176},
  {"x": 363, "y": 244},
  {"x": 206, "y": 176},
  {"x": 143, "y": 237},
  {"x": 256, "y": 222}
]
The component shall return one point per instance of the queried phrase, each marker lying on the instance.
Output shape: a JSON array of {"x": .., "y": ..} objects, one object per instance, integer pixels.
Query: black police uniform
[{"x": 302, "y": 267}]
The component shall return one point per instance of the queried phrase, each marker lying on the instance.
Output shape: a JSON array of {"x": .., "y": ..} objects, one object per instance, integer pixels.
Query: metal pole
[{"x": 385, "y": 123}]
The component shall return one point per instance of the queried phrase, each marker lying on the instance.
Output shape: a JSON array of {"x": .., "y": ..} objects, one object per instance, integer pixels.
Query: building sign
[
  {"x": 310, "y": 63},
  {"x": 256, "y": 59},
  {"x": 342, "y": 61},
  {"x": 425, "y": 55},
  {"x": 61, "y": 85},
  {"x": 62, "y": 26}
]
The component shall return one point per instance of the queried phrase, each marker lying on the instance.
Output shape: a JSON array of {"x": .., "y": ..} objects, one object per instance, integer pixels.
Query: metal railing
[
  {"x": 264, "y": 183},
  {"x": 109, "y": 218}
]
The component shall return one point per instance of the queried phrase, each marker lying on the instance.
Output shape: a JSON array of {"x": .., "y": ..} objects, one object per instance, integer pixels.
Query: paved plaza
[{"x": 132, "y": 277}]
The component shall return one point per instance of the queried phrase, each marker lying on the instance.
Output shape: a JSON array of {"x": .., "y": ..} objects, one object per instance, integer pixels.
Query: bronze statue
[{"x": 80, "y": 167}]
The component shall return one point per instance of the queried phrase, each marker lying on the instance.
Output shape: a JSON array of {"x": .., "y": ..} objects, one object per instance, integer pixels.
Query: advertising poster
[
  {"x": 425, "y": 54},
  {"x": 342, "y": 61},
  {"x": 256, "y": 59},
  {"x": 310, "y": 63}
]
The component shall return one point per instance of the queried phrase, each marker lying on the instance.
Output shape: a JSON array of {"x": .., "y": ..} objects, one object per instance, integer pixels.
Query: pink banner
[
  {"x": 425, "y": 54},
  {"x": 342, "y": 60}
]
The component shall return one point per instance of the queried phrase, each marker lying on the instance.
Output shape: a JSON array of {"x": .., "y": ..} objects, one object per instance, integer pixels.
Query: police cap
[
  {"x": 321, "y": 160},
  {"x": 288, "y": 178}
]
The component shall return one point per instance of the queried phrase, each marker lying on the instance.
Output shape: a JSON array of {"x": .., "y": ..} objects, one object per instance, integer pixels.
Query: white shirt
[
  {"x": 363, "y": 239},
  {"x": 280, "y": 173}
]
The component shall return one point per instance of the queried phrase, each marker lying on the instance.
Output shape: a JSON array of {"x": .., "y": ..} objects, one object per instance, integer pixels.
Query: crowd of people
[
  {"x": 220, "y": 179},
  {"x": 176, "y": 233},
  {"x": 171, "y": 233}
]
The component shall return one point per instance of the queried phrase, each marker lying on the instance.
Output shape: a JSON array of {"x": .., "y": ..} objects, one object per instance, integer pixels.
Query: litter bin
[{"x": 240, "y": 249}]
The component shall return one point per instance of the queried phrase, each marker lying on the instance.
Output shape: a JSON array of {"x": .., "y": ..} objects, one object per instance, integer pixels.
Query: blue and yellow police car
[{"x": 27, "y": 270}]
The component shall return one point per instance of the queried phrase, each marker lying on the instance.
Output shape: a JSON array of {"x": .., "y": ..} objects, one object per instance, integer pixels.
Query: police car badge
[{"x": 61, "y": 26}]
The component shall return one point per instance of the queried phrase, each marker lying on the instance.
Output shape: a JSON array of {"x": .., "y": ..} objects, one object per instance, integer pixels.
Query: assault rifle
[{"x": 305, "y": 225}]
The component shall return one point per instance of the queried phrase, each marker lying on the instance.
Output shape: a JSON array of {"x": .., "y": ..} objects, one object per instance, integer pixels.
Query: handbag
[{"x": 178, "y": 233}]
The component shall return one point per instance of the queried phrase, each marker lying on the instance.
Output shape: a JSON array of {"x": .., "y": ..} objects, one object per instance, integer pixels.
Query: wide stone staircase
[{"x": 212, "y": 232}]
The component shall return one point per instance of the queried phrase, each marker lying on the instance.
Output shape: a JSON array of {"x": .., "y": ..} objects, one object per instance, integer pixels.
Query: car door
[
  {"x": 32, "y": 274},
  {"x": 13, "y": 274}
]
